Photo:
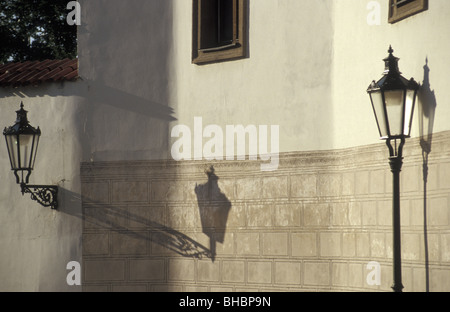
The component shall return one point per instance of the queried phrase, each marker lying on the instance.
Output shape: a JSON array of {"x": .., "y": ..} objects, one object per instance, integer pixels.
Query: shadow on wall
[
  {"x": 114, "y": 218},
  {"x": 214, "y": 208},
  {"x": 123, "y": 126},
  {"x": 97, "y": 92},
  {"x": 118, "y": 118},
  {"x": 125, "y": 66},
  {"x": 128, "y": 102},
  {"x": 427, "y": 111}
]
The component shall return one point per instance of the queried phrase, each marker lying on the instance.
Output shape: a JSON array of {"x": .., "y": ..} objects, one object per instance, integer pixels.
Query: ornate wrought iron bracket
[{"x": 46, "y": 195}]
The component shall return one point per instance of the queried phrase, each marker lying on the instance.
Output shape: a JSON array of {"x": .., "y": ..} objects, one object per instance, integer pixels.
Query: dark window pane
[
  {"x": 226, "y": 21},
  {"x": 217, "y": 23},
  {"x": 209, "y": 24},
  {"x": 218, "y": 30},
  {"x": 401, "y": 3}
]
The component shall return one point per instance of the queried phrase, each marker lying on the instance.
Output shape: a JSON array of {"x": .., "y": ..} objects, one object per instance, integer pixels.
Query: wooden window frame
[
  {"x": 238, "y": 47},
  {"x": 396, "y": 14}
]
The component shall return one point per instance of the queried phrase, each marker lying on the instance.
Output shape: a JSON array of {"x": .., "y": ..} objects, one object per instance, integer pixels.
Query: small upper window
[
  {"x": 218, "y": 30},
  {"x": 401, "y": 9}
]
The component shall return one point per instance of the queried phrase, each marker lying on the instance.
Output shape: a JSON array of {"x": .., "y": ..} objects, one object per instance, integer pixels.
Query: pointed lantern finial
[
  {"x": 390, "y": 49},
  {"x": 391, "y": 63}
]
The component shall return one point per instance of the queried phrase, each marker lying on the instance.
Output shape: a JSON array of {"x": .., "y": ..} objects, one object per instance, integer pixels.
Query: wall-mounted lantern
[
  {"x": 22, "y": 142},
  {"x": 393, "y": 99}
]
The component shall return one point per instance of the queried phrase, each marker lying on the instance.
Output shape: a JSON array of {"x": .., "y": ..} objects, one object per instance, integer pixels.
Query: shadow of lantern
[
  {"x": 214, "y": 208},
  {"x": 427, "y": 113}
]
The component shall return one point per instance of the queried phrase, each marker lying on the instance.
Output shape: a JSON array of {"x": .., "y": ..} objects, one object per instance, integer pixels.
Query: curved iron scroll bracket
[{"x": 46, "y": 195}]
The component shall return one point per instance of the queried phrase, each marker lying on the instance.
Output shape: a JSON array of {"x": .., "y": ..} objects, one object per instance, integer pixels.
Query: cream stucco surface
[{"x": 308, "y": 67}]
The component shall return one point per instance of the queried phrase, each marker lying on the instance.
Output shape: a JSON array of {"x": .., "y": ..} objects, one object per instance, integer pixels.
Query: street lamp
[
  {"x": 22, "y": 142},
  {"x": 393, "y": 99}
]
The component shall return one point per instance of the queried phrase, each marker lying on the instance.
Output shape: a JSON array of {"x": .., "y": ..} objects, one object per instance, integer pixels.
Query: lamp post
[
  {"x": 393, "y": 99},
  {"x": 22, "y": 142}
]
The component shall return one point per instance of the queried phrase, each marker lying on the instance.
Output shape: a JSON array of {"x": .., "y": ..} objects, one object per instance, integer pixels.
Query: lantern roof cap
[
  {"x": 392, "y": 78},
  {"x": 22, "y": 125},
  {"x": 391, "y": 63}
]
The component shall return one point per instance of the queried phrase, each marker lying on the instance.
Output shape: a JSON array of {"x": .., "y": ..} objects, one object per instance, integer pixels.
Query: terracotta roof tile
[{"x": 37, "y": 72}]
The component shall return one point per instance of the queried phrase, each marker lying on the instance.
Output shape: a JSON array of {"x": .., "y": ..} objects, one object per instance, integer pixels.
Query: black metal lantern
[
  {"x": 393, "y": 99},
  {"x": 22, "y": 142}
]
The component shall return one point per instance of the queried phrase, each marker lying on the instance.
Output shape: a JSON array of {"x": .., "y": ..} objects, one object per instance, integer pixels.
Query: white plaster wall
[
  {"x": 286, "y": 80},
  {"x": 309, "y": 66},
  {"x": 136, "y": 55},
  {"x": 137, "y": 82},
  {"x": 358, "y": 52},
  {"x": 36, "y": 243}
]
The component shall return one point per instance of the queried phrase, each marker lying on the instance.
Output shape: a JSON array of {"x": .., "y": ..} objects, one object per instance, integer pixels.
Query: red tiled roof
[{"x": 36, "y": 72}]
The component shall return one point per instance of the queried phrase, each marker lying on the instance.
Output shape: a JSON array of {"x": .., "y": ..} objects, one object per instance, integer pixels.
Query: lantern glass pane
[
  {"x": 26, "y": 150},
  {"x": 377, "y": 103},
  {"x": 35, "y": 148},
  {"x": 11, "y": 142},
  {"x": 394, "y": 109},
  {"x": 409, "y": 111}
]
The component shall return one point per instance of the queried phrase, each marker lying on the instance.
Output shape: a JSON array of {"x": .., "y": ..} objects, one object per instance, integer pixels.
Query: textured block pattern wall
[{"x": 314, "y": 224}]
